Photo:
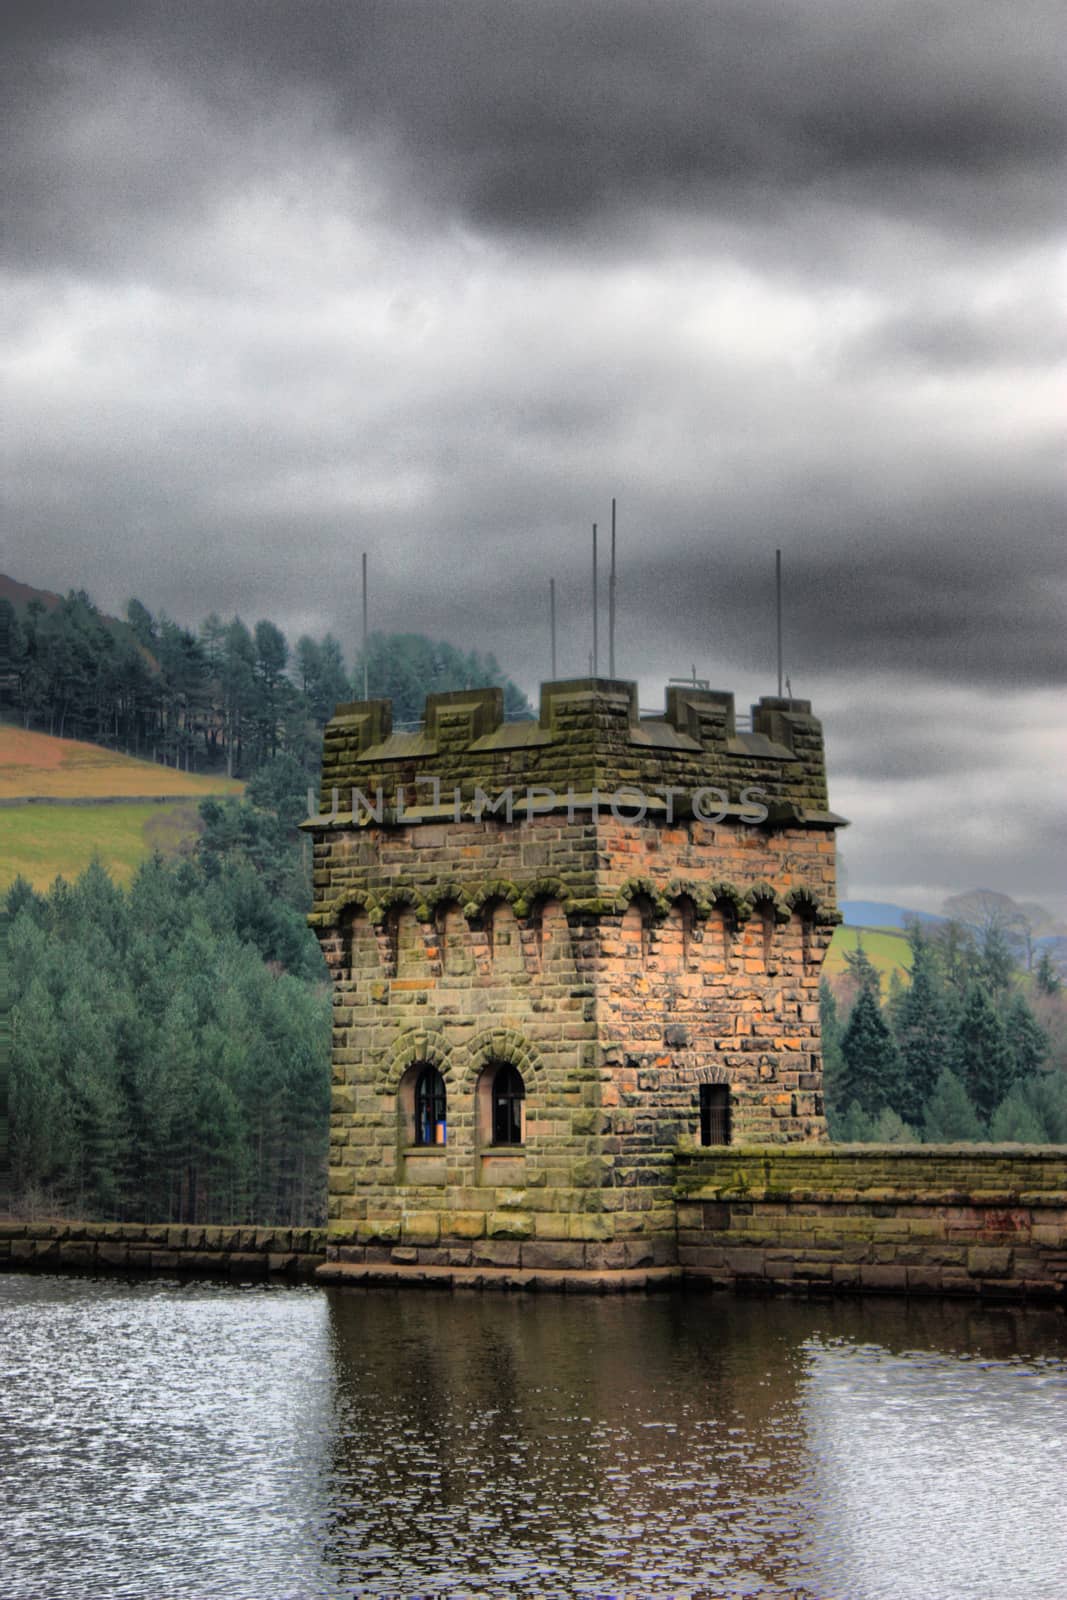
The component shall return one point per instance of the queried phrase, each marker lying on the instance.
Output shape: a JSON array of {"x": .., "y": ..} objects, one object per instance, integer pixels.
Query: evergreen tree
[
  {"x": 998, "y": 959},
  {"x": 161, "y": 1069},
  {"x": 1027, "y": 1040},
  {"x": 851, "y": 1125},
  {"x": 950, "y": 1118},
  {"x": 862, "y": 971},
  {"x": 890, "y": 1128},
  {"x": 1047, "y": 1093},
  {"x": 238, "y": 692},
  {"x": 982, "y": 1057},
  {"x": 957, "y": 955},
  {"x": 922, "y": 1028},
  {"x": 271, "y": 700},
  {"x": 872, "y": 1070},
  {"x": 1016, "y": 1120},
  {"x": 406, "y": 667},
  {"x": 38, "y": 1109},
  {"x": 1045, "y": 975},
  {"x": 14, "y": 654},
  {"x": 898, "y": 990}
]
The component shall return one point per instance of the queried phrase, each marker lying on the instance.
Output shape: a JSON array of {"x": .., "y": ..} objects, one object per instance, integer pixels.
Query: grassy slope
[
  {"x": 41, "y": 842},
  {"x": 37, "y": 764},
  {"x": 887, "y": 949}
]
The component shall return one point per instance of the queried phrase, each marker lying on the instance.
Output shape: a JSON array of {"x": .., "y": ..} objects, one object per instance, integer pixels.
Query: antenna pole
[
  {"x": 366, "y": 691},
  {"x": 552, "y": 621},
  {"x": 778, "y": 588},
  {"x": 611, "y": 598},
  {"x": 596, "y": 659}
]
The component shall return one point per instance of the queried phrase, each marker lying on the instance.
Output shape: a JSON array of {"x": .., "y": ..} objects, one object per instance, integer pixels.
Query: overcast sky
[{"x": 284, "y": 282}]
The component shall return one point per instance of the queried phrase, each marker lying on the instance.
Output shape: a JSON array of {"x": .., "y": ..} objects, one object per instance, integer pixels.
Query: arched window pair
[{"x": 507, "y": 1095}]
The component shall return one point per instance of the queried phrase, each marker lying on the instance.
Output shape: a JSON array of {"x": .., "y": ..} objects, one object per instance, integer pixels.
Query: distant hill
[
  {"x": 882, "y": 914},
  {"x": 20, "y": 594},
  {"x": 62, "y": 802}
]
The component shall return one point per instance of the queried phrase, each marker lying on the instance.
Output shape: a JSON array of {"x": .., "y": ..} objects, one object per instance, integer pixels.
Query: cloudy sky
[{"x": 287, "y": 281}]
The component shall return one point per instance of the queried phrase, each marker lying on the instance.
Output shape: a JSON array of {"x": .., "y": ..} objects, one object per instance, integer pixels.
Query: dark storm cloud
[
  {"x": 946, "y": 339},
  {"x": 127, "y": 120},
  {"x": 289, "y": 281},
  {"x": 948, "y": 594}
]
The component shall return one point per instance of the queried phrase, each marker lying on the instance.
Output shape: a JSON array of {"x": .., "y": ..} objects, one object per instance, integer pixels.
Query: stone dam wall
[
  {"x": 133, "y": 1247},
  {"x": 951, "y": 1221}
]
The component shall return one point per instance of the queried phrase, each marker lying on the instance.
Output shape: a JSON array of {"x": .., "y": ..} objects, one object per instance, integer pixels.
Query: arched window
[
  {"x": 430, "y": 1119},
  {"x": 508, "y": 1095}
]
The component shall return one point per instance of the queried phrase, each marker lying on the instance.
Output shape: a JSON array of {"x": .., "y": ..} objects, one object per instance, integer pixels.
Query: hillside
[
  {"x": 887, "y": 950},
  {"x": 36, "y": 764},
  {"x": 62, "y": 802}
]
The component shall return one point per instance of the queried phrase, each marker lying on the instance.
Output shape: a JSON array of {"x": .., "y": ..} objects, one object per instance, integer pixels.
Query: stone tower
[{"x": 560, "y": 949}]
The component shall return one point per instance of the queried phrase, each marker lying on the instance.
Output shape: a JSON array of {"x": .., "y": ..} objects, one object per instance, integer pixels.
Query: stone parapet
[
  {"x": 589, "y": 736},
  {"x": 131, "y": 1247},
  {"x": 953, "y": 1220}
]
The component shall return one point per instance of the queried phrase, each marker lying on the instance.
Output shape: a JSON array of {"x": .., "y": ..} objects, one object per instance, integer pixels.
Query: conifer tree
[
  {"x": 1016, "y": 1119},
  {"x": 1026, "y": 1037},
  {"x": 982, "y": 1056},
  {"x": 957, "y": 955},
  {"x": 872, "y": 1071},
  {"x": 1047, "y": 1093},
  {"x": 950, "y": 1118},
  {"x": 1045, "y": 975},
  {"x": 998, "y": 960},
  {"x": 923, "y": 1029},
  {"x": 862, "y": 971}
]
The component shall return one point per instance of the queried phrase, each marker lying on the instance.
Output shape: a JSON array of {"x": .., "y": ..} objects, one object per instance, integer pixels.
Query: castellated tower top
[{"x": 589, "y": 737}]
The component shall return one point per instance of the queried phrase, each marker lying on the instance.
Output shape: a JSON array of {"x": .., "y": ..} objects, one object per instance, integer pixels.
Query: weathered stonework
[
  {"x": 127, "y": 1248},
  {"x": 617, "y": 955},
  {"x": 954, "y": 1220}
]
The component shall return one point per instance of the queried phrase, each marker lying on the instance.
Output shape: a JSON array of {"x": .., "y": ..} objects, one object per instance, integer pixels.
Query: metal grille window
[
  {"x": 430, "y": 1115},
  {"x": 714, "y": 1113},
  {"x": 509, "y": 1092}
]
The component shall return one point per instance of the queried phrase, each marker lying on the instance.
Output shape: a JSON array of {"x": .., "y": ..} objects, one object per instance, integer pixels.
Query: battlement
[{"x": 589, "y": 737}]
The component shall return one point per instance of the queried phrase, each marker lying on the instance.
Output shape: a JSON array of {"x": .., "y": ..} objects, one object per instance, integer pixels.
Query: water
[{"x": 166, "y": 1440}]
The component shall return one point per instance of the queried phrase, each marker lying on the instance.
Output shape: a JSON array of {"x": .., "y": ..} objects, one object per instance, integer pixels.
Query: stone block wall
[
  {"x": 974, "y": 1220},
  {"x": 129, "y": 1247},
  {"x": 977, "y": 1221}
]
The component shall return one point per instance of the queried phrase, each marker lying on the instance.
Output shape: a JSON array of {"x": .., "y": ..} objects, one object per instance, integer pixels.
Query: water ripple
[{"x": 196, "y": 1441}]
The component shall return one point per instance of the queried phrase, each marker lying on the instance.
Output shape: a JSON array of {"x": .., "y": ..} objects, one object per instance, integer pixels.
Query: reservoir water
[{"x": 172, "y": 1440}]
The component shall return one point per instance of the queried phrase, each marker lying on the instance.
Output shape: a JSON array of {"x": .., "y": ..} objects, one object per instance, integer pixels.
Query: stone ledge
[
  {"x": 563, "y": 1280},
  {"x": 824, "y": 1281},
  {"x": 1029, "y": 1199},
  {"x": 185, "y": 1251}
]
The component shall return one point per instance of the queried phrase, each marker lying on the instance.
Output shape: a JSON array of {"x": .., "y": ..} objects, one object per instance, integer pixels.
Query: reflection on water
[{"x": 159, "y": 1439}]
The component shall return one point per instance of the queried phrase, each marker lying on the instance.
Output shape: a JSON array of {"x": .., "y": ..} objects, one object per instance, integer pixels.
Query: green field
[
  {"x": 887, "y": 949},
  {"x": 43, "y": 842}
]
